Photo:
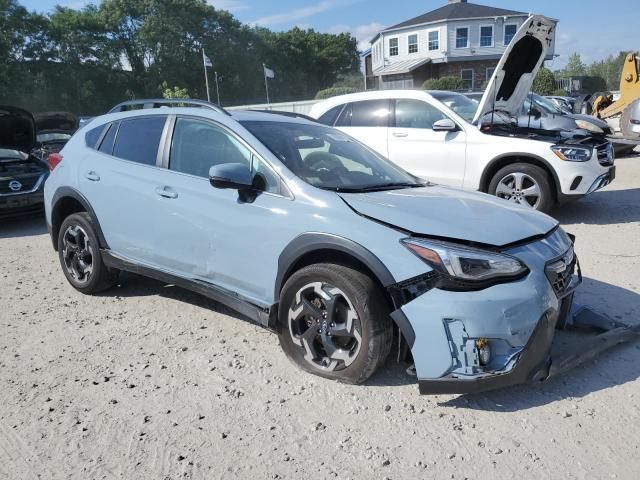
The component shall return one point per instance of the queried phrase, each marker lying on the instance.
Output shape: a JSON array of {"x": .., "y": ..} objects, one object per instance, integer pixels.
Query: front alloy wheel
[
  {"x": 519, "y": 188},
  {"x": 524, "y": 184},
  {"x": 333, "y": 321},
  {"x": 325, "y": 324}
]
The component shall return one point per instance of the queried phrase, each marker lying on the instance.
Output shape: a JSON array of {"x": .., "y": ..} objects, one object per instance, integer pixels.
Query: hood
[
  {"x": 598, "y": 122},
  {"x": 63, "y": 122},
  {"x": 518, "y": 67},
  {"x": 453, "y": 214},
  {"x": 17, "y": 129}
]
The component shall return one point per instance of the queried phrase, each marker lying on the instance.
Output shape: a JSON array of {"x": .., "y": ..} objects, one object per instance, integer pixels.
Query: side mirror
[
  {"x": 236, "y": 176},
  {"x": 535, "y": 113},
  {"x": 445, "y": 125}
]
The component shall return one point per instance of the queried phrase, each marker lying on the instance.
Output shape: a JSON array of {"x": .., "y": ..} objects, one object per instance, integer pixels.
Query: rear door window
[
  {"x": 370, "y": 113},
  {"x": 92, "y": 136},
  {"x": 138, "y": 139}
]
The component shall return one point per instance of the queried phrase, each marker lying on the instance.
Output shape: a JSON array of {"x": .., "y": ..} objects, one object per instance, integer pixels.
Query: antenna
[
  {"x": 530, "y": 109},
  {"x": 493, "y": 106}
]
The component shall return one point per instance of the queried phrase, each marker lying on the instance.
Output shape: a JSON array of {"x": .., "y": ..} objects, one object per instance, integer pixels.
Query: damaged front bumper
[{"x": 517, "y": 320}]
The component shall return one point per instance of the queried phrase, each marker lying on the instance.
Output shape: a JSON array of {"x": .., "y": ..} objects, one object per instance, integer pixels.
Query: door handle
[
  {"x": 400, "y": 134},
  {"x": 93, "y": 176},
  {"x": 166, "y": 192}
]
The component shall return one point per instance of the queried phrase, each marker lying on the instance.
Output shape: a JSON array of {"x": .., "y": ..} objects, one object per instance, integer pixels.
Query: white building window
[
  {"x": 412, "y": 42},
  {"x": 434, "y": 40},
  {"x": 510, "y": 30},
  {"x": 486, "y": 35},
  {"x": 462, "y": 37},
  {"x": 467, "y": 79},
  {"x": 489, "y": 73},
  {"x": 394, "y": 49}
]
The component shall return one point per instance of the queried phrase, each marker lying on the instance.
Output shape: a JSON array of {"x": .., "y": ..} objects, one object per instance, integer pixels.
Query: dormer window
[
  {"x": 462, "y": 37},
  {"x": 394, "y": 49},
  {"x": 434, "y": 40},
  {"x": 486, "y": 35},
  {"x": 412, "y": 41}
]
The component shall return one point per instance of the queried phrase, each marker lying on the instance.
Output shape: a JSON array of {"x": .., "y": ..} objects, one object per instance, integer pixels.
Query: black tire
[
  {"x": 541, "y": 178},
  {"x": 372, "y": 323},
  {"x": 93, "y": 276}
]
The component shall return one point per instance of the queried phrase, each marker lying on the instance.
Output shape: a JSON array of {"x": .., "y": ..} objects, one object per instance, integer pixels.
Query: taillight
[{"x": 54, "y": 160}]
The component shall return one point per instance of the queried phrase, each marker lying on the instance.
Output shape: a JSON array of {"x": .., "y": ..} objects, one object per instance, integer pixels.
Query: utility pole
[{"x": 206, "y": 76}]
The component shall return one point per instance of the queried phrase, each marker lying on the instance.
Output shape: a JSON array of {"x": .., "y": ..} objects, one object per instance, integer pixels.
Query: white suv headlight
[
  {"x": 572, "y": 154},
  {"x": 466, "y": 264}
]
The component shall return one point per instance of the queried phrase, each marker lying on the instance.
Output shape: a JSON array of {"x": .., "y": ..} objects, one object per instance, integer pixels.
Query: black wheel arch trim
[
  {"x": 518, "y": 157},
  {"x": 68, "y": 192},
  {"x": 308, "y": 243}
]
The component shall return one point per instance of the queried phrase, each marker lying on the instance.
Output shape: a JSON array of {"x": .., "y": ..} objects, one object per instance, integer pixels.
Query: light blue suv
[{"x": 311, "y": 234}]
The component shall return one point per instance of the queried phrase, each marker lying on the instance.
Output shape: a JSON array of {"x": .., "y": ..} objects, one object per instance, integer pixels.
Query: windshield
[
  {"x": 543, "y": 104},
  {"x": 463, "y": 106},
  {"x": 329, "y": 159}
]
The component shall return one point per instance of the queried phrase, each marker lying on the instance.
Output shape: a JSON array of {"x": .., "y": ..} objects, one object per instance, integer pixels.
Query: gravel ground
[{"x": 150, "y": 381}]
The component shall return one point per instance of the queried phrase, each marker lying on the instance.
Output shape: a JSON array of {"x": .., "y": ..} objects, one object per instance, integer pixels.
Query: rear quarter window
[
  {"x": 138, "y": 139},
  {"x": 329, "y": 118},
  {"x": 92, "y": 136}
]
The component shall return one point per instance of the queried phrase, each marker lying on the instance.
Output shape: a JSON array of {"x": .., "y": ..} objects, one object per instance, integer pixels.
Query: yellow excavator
[{"x": 623, "y": 114}]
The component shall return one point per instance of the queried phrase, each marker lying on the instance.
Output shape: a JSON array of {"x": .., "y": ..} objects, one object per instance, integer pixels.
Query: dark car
[{"x": 23, "y": 160}]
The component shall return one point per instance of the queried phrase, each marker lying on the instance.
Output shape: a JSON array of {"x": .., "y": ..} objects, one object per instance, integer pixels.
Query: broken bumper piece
[{"x": 535, "y": 362}]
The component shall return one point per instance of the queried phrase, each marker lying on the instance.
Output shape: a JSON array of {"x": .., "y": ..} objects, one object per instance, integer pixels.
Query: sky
[{"x": 586, "y": 26}]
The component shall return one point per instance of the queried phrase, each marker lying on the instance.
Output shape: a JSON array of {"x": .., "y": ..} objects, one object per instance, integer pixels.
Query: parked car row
[{"x": 320, "y": 237}]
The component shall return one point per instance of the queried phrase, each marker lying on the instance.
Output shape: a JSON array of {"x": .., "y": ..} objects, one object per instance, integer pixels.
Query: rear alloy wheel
[
  {"x": 523, "y": 184},
  {"x": 334, "y": 322},
  {"x": 79, "y": 253}
]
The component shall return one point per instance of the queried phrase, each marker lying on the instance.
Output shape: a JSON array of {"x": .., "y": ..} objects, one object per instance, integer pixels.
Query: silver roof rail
[{"x": 163, "y": 102}]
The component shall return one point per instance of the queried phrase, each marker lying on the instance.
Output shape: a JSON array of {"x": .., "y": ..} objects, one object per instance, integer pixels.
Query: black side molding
[{"x": 254, "y": 312}]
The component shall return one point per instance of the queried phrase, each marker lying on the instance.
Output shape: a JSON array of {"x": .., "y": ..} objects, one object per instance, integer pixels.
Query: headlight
[
  {"x": 572, "y": 154},
  {"x": 466, "y": 264},
  {"x": 585, "y": 125}
]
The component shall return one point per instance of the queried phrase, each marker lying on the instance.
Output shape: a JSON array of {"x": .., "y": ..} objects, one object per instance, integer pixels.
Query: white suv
[{"x": 452, "y": 140}]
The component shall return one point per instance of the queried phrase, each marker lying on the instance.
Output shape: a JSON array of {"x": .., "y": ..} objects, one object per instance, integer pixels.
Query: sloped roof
[
  {"x": 405, "y": 66},
  {"x": 455, "y": 11}
]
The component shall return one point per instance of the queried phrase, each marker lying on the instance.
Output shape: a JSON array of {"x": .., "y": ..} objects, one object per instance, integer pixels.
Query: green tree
[
  {"x": 545, "y": 82},
  {"x": 175, "y": 92},
  {"x": 575, "y": 66},
  {"x": 334, "y": 92},
  {"x": 443, "y": 83}
]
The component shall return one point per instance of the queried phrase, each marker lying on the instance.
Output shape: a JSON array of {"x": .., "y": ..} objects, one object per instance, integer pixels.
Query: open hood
[
  {"x": 513, "y": 78},
  {"x": 63, "y": 122},
  {"x": 453, "y": 214},
  {"x": 17, "y": 129}
]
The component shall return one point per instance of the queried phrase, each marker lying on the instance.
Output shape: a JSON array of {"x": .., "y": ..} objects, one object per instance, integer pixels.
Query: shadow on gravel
[
  {"x": 615, "y": 367},
  {"x": 602, "y": 208},
  {"x": 131, "y": 285},
  {"x": 23, "y": 226}
]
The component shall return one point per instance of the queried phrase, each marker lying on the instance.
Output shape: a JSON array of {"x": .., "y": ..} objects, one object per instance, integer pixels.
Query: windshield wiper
[{"x": 379, "y": 187}]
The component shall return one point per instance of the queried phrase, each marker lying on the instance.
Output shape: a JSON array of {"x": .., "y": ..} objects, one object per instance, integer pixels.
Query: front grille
[
  {"x": 606, "y": 155},
  {"x": 27, "y": 183},
  {"x": 560, "y": 272}
]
